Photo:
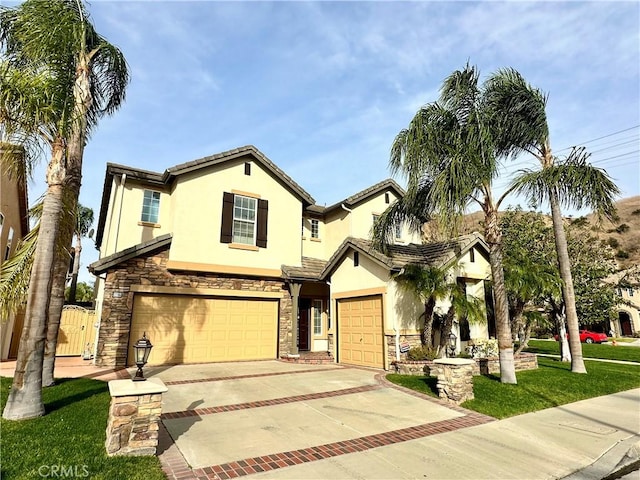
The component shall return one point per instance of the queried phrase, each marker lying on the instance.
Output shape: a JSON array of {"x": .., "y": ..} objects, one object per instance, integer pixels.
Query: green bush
[
  {"x": 636, "y": 212},
  {"x": 613, "y": 242},
  {"x": 422, "y": 353},
  {"x": 622, "y": 254},
  {"x": 622, "y": 228}
]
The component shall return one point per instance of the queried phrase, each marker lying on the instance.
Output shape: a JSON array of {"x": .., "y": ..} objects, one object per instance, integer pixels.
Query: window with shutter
[{"x": 244, "y": 220}]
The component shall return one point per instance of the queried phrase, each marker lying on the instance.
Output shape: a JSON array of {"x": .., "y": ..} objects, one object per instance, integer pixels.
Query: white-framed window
[
  {"x": 374, "y": 218},
  {"x": 315, "y": 228},
  {"x": 1, "y": 222},
  {"x": 398, "y": 230},
  {"x": 150, "y": 206},
  {"x": 7, "y": 250},
  {"x": 244, "y": 219},
  {"x": 317, "y": 317}
]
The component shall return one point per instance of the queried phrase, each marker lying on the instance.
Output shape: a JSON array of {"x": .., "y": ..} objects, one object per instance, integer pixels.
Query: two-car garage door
[{"x": 185, "y": 329}]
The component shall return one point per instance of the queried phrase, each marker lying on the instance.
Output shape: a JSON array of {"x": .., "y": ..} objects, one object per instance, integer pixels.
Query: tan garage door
[
  {"x": 360, "y": 339},
  {"x": 185, "y": 329}
]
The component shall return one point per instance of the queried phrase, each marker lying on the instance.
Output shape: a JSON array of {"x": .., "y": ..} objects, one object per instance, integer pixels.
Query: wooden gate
[{"x": 77, "y": 331}]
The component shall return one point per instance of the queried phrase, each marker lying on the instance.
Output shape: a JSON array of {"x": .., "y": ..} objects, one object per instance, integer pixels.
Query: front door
[
  {"x": 625, "y": 323},
  {"x": 303, "y": 324}
]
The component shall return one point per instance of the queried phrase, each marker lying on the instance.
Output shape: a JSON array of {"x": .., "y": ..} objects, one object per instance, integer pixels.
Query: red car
[{"x": 587, "y": 336}]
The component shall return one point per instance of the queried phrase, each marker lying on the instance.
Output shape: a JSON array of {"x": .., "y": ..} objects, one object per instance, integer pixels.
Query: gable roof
[
  {"x": 111, "y": 261},
  {"x": 353, "y": 200},
  {"x": 398, "y": 256},
  {"x": 160, "y": 180}
]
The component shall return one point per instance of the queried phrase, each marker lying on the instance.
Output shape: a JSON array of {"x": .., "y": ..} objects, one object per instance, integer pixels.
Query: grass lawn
[
  {"x": 70, "y": 437},
  {"x": 593, "y": 350},
  {"x": 552, "y": 384}
]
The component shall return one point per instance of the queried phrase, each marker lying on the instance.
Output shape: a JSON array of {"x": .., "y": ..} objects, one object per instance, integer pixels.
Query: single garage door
[
  {"x": 360, "y": 339},
  {"x": 187, "y": 329}
]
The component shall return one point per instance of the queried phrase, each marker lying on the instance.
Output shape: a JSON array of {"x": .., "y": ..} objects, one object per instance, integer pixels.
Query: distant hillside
[{"x": 623, "y": 234}]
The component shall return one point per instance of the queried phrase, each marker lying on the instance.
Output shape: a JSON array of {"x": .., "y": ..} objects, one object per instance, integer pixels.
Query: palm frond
[
  {"x": 576, "y": 183},
  {"x": 16, "y": 273}
]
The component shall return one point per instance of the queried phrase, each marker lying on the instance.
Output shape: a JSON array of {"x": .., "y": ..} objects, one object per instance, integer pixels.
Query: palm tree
[
  {"x": 450, "y": 155},
  {"x": 84, "y": 77},
  {"x": 430, "y": 284},
  {"x": 84, "y": 220},
  {"x": 519, "y": 110}
]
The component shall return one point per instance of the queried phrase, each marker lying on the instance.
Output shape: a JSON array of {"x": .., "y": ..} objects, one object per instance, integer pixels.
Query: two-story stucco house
[{"x": 227, "y": 258}]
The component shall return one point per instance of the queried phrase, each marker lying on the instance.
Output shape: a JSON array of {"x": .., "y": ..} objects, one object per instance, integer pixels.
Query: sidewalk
[{"x": 72, "y": 367}]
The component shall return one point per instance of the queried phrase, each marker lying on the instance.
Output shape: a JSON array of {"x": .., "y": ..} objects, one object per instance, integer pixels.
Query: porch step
[{"x": 314, "y": 358}]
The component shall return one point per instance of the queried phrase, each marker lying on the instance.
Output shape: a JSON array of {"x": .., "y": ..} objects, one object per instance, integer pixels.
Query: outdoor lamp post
[
  {"x": 141, "y": 348},
  {"x": 452, "y": 344}
]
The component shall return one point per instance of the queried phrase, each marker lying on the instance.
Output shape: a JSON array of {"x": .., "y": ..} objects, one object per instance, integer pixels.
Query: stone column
[
  {"x": 455, "y": 379},
  {"x": 133, "y": 416}
]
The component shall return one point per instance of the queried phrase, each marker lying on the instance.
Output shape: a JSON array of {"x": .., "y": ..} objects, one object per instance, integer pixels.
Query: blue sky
[{"x": 322, "y": 88}]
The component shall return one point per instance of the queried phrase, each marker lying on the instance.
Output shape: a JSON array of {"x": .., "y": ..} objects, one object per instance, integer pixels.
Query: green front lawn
[
  {"x": 552, "y": 384},
  {"x": 593, "y": 350},
  {"x": 69, "y": 439}
]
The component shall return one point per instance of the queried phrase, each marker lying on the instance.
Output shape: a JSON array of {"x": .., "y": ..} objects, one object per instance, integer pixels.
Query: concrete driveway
[{"x": 234, "y": 419}]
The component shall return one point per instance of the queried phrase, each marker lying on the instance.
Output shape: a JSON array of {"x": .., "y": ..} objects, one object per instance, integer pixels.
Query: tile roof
[
  {"x": 398, "y": 256},
  {"x": 388, "y": 184},
  {"x": 106, "y": 263},
  {"x": 310, "y": 270}
]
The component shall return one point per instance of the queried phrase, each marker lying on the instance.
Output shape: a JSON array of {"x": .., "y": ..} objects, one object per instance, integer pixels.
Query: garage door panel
[
  {"x": 188, "y": 330},
  {"x": 360, "y": 339}
]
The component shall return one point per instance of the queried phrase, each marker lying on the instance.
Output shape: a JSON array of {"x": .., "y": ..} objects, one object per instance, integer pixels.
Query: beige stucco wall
[
  {"x": 632, "y": 307},
  {"x": 123, "y": 228},
  {"x": 197, "y": 217},
  {"x": 354, "y": 222},
  {"x": 314, "y": 247},
  {"x": 10, "y": 209}
]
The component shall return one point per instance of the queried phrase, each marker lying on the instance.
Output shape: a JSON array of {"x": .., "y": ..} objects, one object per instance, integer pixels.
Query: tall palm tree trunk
[
  {"x": 564, "y": 263},
  {"x": 25, "y": 397},
  {"x": 56, "y": 303},
  {"x": 501, "y": 307}
]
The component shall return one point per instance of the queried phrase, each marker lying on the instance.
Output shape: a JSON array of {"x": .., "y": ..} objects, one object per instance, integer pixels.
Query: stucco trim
[
  {"x": 209, "y": 267},
  {"x": 364, "y": 292},
  {"x": 203, "y": 291}
]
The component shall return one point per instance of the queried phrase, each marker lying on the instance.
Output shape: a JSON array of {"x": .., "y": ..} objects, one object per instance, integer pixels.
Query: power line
[{"x": 600, "y": 138}]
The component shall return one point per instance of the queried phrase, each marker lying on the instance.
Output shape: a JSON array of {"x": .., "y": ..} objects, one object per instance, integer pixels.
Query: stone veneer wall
[
  {"x": 133, "y": 424},
  {"x": 412, "y": 340},
  {"x": 483, "y": 366},
  {"x": 150, "y": 269}
]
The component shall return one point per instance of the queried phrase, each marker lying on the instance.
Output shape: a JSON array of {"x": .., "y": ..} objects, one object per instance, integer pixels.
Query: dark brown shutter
[
  {"x": 226, "y": 232},
  {"x": 261, "y": 234}
]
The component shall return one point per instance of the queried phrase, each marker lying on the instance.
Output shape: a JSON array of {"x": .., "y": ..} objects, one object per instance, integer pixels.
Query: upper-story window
[
  {"x": 1, "y": 222},
  {"x": 244, "y": 220},
  {"x": 315, "y": 228},
  {"x": 150, "y": 206},
  {"x": 398, "y": 231},
  {"x": 374, "y": 218}
]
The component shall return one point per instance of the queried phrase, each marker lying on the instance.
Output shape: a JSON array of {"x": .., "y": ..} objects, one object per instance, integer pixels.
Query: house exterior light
[
  {"x": 142, "y": 349},
  {"x": 452, "y": 344}
]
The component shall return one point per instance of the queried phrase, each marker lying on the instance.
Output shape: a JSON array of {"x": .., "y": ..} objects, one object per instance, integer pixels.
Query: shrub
[
  {"x": 622, "y": 254},
  {"x": 622, "y": 228},
  {"x": 580, "y": 222},
  {"x": 613, "y": 242},
  {"x": 422, "y": 353},
  {"x": 636, "y": 212},
  {"x": 485, "y": 348}
]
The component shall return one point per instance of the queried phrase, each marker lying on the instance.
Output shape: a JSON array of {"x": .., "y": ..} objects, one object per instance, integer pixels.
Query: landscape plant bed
[
  {"x": 68, "y": 439},
  {"x": 605, "y": 351},
  {"x": 523, "y": 361},
  {"x": 550, "y": 385}
]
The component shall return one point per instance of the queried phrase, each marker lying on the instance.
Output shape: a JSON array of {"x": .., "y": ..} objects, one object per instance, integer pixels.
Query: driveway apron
[{"x": 230, "y": 420}]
